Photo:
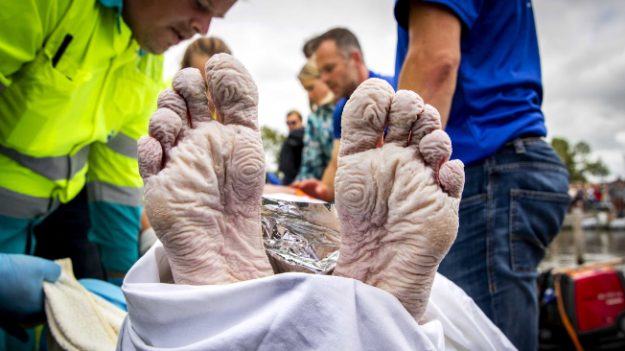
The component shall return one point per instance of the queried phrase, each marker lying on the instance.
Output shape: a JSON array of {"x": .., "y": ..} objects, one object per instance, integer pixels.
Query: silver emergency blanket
[{"x": 300, "y": 235}]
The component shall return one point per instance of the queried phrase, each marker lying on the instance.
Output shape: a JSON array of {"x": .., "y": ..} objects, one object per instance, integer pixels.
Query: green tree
[
  {"x": 561, "y": 146},
  {"x": 272, "y": 142},
  {"x": 577, "y": 160}
]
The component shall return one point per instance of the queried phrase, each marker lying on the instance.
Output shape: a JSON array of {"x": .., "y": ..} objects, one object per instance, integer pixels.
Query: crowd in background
[
  {"x": 604, "y": 197},
  {"x": 487, "y": 97}
]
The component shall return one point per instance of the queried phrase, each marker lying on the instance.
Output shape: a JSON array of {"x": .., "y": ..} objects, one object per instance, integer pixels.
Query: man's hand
[
  {"x": 145, "y": 222},
  {"x": 314, "y": 188},
  {"x": 21, "y": 290}
]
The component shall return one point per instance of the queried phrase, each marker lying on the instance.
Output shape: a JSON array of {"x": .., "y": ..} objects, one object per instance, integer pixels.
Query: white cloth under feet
[
  {"x": 79, "y": 320},
  {"x": 293, "y": 311}
]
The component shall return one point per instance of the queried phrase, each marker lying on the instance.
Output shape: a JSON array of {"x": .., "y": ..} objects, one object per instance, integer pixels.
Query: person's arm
[
  {"x": 330, "y": 172},
  {"x": 114, "y": 185},
  {"x": 323, "y": 189},
  {"x": 433, "y": 58},
  {"x": 25, "y": 26}
]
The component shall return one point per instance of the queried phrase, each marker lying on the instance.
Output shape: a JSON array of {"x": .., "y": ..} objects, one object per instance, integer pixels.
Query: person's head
[
  {"x": 160, "y": 24},
  {"x": 310, "y": 46},
  {"x": 201, "y": 50},
  {"x": 318, "y": 92},
  {"x": 294, "y": 120},
  {"x": 340, "y": 61}
]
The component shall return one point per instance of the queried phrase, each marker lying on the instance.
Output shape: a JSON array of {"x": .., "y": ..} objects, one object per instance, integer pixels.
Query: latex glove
[{"x": 21, "y": 287}]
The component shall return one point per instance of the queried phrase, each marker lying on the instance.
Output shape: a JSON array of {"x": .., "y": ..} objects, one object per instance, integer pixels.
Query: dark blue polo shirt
[
  {"x": 499, "y": 89},
  {"x": 338, "y": 109}
]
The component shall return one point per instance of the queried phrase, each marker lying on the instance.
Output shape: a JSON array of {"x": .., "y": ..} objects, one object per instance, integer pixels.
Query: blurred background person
[
  {"x": 78, "y": 83},
  {"x": 342, "y": 67},
  {"x": 290, "y": 158},
  {"x": 201, "y": 50},
  {"x": 478, "y": 63},
  {"x": 318, "y": 133}
]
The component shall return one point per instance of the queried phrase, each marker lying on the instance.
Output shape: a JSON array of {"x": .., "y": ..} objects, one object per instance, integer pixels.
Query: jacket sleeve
[
  {"x": 115, "y": 186},
  {"x": 25, "y": 25}
]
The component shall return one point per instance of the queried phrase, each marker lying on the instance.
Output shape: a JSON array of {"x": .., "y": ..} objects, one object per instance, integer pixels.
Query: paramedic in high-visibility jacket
[{"x": 79, "y": 80}]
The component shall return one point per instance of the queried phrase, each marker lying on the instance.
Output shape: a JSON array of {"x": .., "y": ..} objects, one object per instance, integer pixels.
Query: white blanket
[{"x": 293, "y": 311}]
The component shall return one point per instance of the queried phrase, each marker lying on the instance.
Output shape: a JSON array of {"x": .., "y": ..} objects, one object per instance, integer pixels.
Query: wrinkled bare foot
[
  {"x": 204, "y": 179},
  {"x": 398, "y": 204}
]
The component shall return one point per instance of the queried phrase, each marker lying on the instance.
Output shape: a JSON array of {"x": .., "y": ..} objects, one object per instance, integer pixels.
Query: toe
[
  {"x": 165, "y": 125},
  {"x": 150, "y": 156},
  {"x": 435, "y": 148},
  {"x": 429, "y": 120},
  {"x": 173, "y": 101},
  {"x": 232, "y": 91},
  {"x": 188, "y": 82},
  {"x": 451, "y": 177},
  {"x": 405, "y": 108},
  {"x": 365, "y": 115}
]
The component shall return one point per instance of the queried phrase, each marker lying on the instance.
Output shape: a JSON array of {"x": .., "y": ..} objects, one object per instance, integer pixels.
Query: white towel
[
  {"x": 78, "y": 319},
  {"x": 293, "y": 311}
]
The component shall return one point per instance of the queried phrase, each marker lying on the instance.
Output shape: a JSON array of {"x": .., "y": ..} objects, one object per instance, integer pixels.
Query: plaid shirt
[{"x": 318, "y": 142}]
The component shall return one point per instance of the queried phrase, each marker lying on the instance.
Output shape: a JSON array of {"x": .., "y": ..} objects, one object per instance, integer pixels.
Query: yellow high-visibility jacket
[{"x": 75, "y": 95}]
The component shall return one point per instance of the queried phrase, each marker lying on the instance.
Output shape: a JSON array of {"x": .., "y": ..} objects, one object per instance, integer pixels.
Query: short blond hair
[{"x": 309, "y": 71}]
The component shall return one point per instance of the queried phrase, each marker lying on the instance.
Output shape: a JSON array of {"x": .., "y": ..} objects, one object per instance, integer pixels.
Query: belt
[
  {"x": 524, "y": 137},
  {"x": 518, "y": 143}
]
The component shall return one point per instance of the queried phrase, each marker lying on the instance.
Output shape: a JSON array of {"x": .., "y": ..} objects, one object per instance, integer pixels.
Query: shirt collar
[{"x": 116, "y": 5}]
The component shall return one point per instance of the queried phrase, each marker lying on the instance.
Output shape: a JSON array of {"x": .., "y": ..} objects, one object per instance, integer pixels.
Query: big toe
[
  {"x": 232, "y": 91},
  {"x": 365, "y": 115}
]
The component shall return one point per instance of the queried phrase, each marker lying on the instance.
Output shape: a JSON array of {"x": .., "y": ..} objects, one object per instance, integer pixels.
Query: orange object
[{"x": 300, "y": 193}]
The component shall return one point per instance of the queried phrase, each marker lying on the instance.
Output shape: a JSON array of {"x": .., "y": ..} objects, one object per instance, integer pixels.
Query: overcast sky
[{"x": 582, "y": 45}]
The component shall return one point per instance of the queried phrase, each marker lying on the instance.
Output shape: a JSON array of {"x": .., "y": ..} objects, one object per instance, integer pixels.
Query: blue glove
[{"x": 21, "y": 285}]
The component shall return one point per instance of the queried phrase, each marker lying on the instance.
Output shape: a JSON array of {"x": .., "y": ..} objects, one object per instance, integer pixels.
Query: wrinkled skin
[
  {"x": 204, "y": 179},
  {"x": 398, "y": 204}
]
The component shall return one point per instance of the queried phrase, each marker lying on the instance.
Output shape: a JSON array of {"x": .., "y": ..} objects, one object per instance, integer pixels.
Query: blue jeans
[{"x": 512, "y": 207}]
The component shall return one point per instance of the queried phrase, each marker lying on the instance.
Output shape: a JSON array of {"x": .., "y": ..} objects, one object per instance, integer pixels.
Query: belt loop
[{"x": 519, "y": 147}]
